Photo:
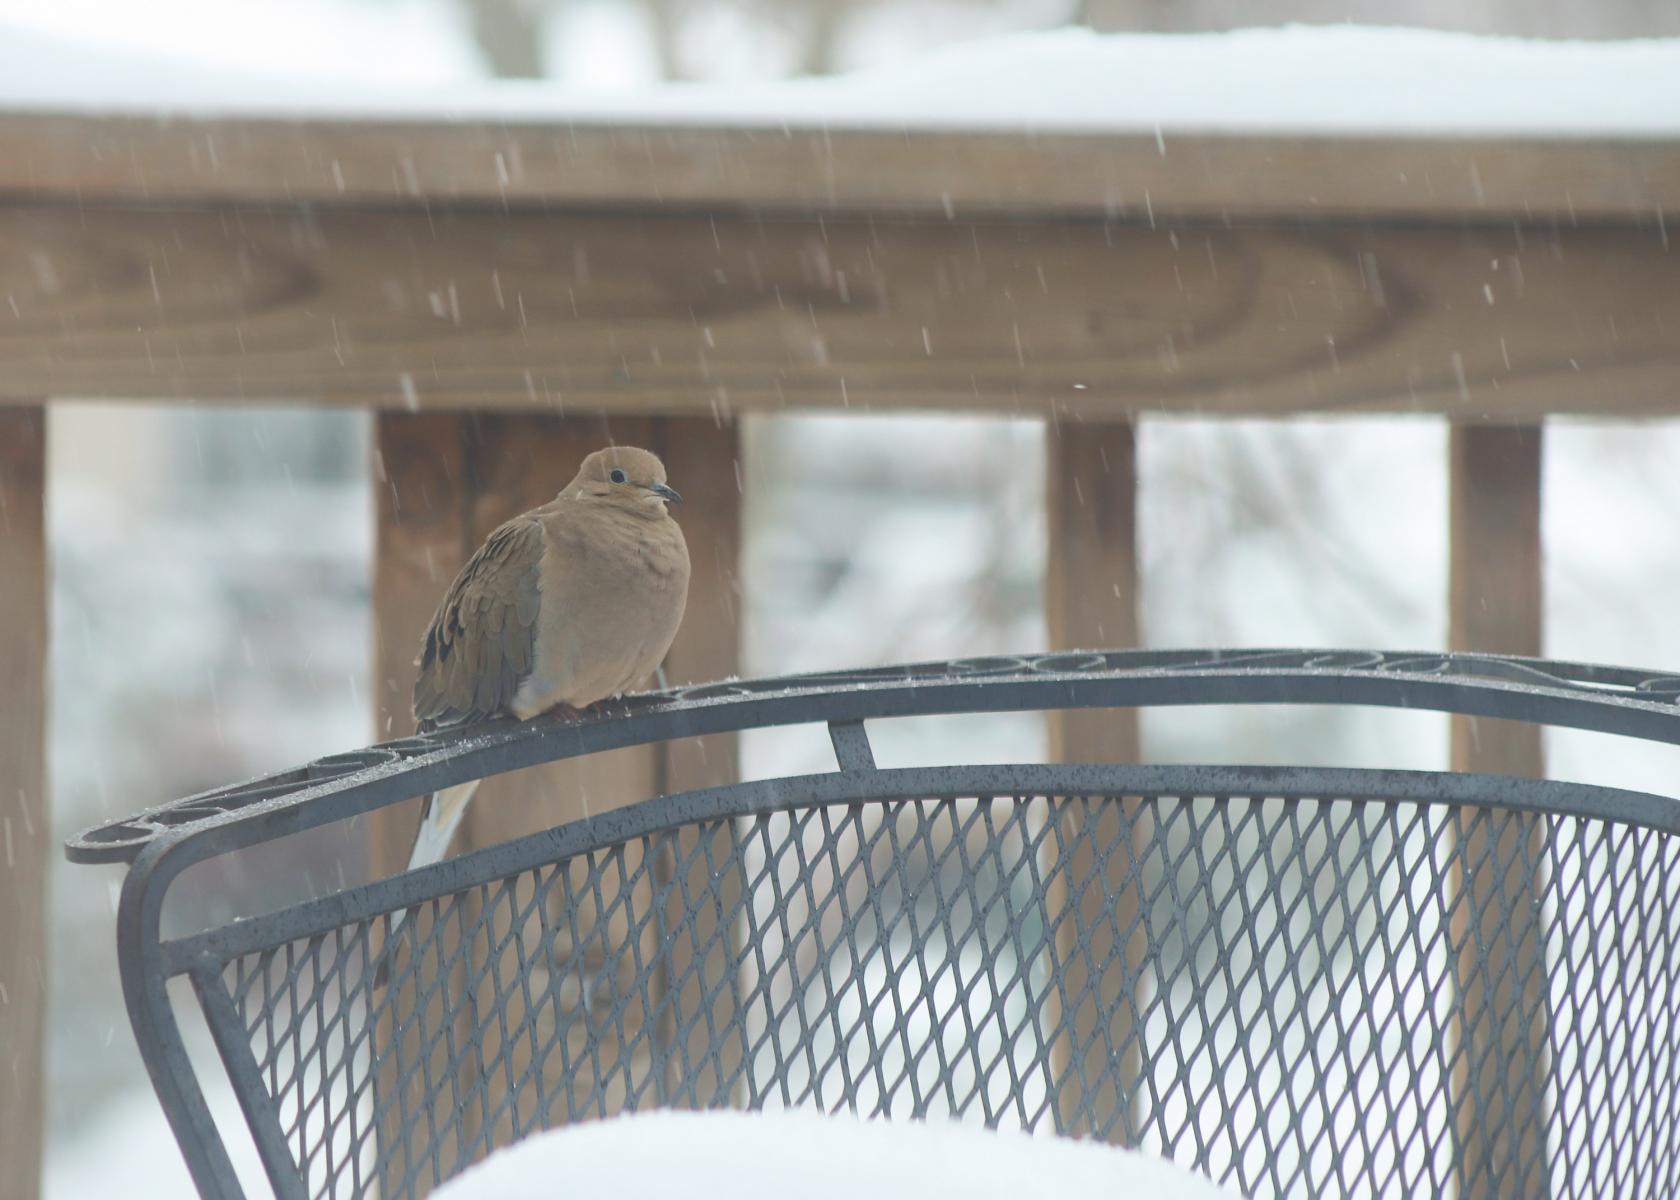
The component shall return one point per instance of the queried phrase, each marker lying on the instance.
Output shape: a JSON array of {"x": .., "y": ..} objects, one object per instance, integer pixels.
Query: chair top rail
[
  {"x": 211, "y": 949},
  {"x": 1625, "y": 701}
]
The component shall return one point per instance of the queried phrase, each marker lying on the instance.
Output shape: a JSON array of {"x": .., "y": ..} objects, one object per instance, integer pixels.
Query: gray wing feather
[{"x": 482, "y": 641}]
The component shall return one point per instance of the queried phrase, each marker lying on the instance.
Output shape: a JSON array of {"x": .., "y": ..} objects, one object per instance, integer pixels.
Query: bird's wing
[{"x": 482, "y": 640}]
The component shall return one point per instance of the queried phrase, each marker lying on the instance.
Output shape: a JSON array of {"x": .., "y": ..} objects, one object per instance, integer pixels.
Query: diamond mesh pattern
[{"x": 1303, "y": 997}]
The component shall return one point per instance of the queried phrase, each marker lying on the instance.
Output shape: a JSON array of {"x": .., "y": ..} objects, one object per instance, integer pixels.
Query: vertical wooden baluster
[
  {"x": 1092, "y": 596},
  {"x": 703, "y": 460},
  {"x": 420, "y": 501},
  {"x": 517, "y": 461},
  {"x": 1499, "y": 1031},
  {"x": 24, "y": 823},
  {"x": 420, "y": 481}
]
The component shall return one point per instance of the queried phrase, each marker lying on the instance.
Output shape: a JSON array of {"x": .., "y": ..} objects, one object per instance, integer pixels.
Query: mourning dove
[{"x": 564, "y": 606}]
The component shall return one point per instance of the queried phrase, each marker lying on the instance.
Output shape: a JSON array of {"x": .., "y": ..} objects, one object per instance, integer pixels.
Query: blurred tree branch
[
  {"x": 1514, "y": 18},
  {"x": 825, "y": 22},
  {"x": 665, "y": 19},
  {"x": 509, "y": 32}
]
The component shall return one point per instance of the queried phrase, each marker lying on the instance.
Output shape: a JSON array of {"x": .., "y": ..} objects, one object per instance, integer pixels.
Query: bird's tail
[{"x": 439, "y": 818}]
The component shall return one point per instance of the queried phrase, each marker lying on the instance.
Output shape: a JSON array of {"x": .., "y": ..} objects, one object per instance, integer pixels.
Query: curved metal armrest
[{"x": 1604, "y": 699}]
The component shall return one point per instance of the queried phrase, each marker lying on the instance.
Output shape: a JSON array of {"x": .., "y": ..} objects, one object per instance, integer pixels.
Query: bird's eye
[{"x": 617, "y": 476}]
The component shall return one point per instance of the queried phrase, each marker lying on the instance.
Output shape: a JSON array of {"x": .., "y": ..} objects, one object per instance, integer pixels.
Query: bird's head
[{"x": 624, "y": 475}]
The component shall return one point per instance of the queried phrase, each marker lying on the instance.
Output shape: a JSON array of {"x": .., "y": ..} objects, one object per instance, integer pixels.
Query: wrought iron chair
[{"x": 1304, "y": 981}]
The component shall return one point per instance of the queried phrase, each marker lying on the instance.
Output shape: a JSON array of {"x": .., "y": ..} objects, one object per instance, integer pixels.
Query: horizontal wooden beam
[
  {"x": 699, "y": 315},
  {"x": 140, "y": 160}
]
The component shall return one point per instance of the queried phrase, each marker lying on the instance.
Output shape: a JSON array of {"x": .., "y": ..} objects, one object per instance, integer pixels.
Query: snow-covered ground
[{"x": 730, "y": 1156}]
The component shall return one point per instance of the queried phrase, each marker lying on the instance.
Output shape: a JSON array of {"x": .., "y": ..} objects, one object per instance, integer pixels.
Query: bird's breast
[{"x": 613, "y": 593}]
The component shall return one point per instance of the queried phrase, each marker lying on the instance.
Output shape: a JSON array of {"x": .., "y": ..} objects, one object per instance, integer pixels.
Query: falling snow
[{"x": 210, "y": 621}]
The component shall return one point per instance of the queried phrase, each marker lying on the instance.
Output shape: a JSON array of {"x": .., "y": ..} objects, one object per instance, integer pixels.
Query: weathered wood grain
[
  {"x": 96, "y": 159},
  {"x": 1501, "y": 1026},
  {"x": 1091, "y": 589},
  {"x": 711, "y": 317},
  {"x": 703, "y": 460},
  {"x": 25, "y": 827},
  {"x": 420, "y": 486},
  {"x": 1091, "y": 596},
  {"x": 517, "y": 461},
  {"x": 447, "y": 480},
  {"x": 1496, "y": 603}
]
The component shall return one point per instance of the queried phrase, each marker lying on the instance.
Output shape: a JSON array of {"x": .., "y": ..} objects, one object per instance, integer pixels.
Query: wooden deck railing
[{"x": 507, "y": 296}]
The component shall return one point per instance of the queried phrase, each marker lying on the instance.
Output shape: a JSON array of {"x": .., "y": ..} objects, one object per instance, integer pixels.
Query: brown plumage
[
  {"x": 572, "y": 603},
  {"x": 568, "y": 604}
]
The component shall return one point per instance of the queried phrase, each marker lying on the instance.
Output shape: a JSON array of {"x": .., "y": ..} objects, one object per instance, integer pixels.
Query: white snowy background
[{"x": 210, "y": 602}]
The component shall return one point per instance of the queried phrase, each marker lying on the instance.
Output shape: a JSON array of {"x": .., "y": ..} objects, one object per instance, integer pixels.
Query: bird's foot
[{"x": 587, "y": 712}]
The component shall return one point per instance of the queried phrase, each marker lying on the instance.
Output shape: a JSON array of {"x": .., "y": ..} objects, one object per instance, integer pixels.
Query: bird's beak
[{"x": 665, "y": 493}]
